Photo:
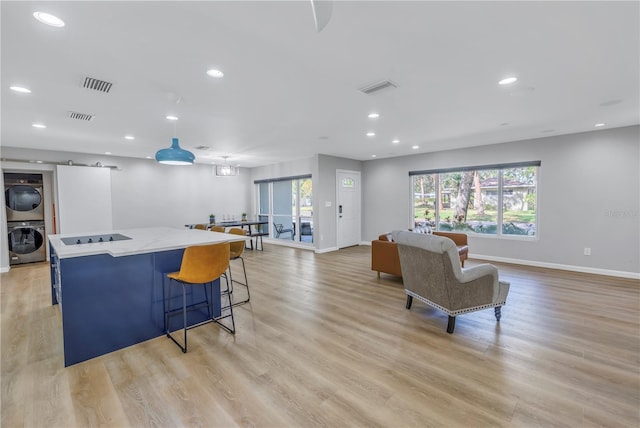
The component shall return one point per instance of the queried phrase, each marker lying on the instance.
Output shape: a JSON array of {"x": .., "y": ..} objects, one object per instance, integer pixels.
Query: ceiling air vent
[
  {"x": 80, "y": 116},
  {"x": 97, "y": 84},
  {"x": 203, "y": 148},
  {"x": 377, "y": 87}
]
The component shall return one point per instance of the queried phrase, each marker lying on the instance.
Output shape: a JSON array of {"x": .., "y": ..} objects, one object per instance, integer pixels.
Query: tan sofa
[{"x": 385, "y": 258}]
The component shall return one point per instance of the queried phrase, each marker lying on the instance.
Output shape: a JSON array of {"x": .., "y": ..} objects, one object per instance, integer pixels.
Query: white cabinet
[{"x": 84, "y": 199}]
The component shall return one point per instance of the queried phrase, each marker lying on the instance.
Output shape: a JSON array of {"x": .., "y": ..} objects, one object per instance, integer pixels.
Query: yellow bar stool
[
  {"x": 201, "y": 265},
  {"x": 220, "y": 229},
  {"x": 236, "y": 251},
  {"x": 200, "y": 226}
]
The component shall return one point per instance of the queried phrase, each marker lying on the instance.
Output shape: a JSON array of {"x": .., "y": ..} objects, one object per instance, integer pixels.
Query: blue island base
[{"x": 109, "y": 303}]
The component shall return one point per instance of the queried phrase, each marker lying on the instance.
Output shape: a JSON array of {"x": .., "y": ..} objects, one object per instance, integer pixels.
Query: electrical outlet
[{"x": 587, "y": 251}]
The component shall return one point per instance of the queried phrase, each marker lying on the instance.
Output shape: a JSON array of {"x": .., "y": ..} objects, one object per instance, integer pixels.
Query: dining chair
[
  {"x": 201, "y": 265},
  {"x": 279, "y": 228},
  {"x": 306, "y": 230}
]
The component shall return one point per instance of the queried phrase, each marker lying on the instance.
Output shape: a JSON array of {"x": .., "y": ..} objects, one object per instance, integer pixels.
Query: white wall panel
[{"x": 84, "y": 199}]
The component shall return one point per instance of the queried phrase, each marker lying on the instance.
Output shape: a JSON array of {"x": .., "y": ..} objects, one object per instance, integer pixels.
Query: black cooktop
[{"x": 91, "y": 239}]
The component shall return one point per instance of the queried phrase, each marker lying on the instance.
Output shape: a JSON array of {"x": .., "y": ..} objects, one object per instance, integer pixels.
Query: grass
[{"x": 489, "y": 215}]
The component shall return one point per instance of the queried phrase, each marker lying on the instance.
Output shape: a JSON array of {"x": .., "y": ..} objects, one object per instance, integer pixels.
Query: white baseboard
[
  {"x": 572, "y": 268},
  {"x": 288, "y": 243},
  {"x": 5, "y": 269},
  {"x": 583, "y": 269},
  {"x": 327, "y": 250}
]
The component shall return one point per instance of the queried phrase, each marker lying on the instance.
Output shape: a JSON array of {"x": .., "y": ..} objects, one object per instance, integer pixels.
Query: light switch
[{"x": 327, "y": 204}]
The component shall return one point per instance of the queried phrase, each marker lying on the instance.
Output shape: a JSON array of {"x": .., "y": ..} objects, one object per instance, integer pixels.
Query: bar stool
[
  {"x": 201, "y": 265},
  {"x": 236, "y": 250},
  {"x": 220, "y": 229},
  {"x": 200, "y": 226}
]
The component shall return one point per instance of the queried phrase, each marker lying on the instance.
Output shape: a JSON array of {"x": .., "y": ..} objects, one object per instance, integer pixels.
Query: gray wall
[
  {"x": 146, "y": 194},
  {"x": 323, "y": 173},
  {"x": 589, "y": 190},
  {"x": 589, "y": 196},
  {"x": 325, "y": 191}
]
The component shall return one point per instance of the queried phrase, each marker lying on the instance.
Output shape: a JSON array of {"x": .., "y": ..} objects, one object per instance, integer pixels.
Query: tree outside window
[{"x": 498, "y": 201}]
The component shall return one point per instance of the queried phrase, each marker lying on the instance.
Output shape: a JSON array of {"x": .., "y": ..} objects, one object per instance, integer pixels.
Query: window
[
  {"x": 496, "y": 200},
  {"x": 347, "y": 182}
]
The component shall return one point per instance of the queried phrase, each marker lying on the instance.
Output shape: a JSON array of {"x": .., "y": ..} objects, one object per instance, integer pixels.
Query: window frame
[{"x": 500, "y": 196}]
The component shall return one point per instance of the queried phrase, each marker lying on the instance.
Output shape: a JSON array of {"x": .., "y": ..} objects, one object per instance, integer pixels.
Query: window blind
[
  {"x": 478, "y": 167},
  {"x": 273, "y": 180}
]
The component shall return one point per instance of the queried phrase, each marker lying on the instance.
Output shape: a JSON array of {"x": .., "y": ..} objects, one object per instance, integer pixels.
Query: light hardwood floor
[{"x": 325, "y": 343}]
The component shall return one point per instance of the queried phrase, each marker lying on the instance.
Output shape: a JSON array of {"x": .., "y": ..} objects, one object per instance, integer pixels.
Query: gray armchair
[{"x": 431, "y": 273}]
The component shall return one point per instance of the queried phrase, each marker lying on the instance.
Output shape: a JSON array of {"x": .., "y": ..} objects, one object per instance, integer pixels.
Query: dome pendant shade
[{"x": 175, "y": 155}]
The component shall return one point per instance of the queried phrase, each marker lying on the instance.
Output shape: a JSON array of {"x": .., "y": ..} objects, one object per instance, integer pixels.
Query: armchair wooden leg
[
  {"x": 451, "y": 325},
  {"x": 498, "y": 310},
  {"x": 409, "y": 301}
]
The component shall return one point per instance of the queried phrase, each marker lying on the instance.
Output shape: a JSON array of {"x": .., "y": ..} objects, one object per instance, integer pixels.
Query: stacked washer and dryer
[{"x": 25, "y": 217}]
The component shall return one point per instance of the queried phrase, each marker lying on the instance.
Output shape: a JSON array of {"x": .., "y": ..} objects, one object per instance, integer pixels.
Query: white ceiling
[{"x": 290, "y": 92}]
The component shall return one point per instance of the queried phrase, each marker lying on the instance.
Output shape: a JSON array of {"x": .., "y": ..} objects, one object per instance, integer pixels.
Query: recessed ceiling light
[
  {"x": 148, "y": 157},
  {"x": 39, "y": 125},
  {"x": 373, "y": 156},
  {"x": 373, "y": 115},
  {"x": 172, "y": 117},
  {"x": 39, "y": 162},
  {"x": 371, "y": 134},
  {"x": 508, "y": 80},
  {"x": 396, "y": 141},
  {"x": 215, "y": 73},
  {"x": 415, "y": 147},
  {"x": 129, "y": 137},
  {"x": 107, "y": 153},
  {"x": 20, "y": 89},
  {"x": 598, "y": 125},
  {"x": 48, "y": 19}
]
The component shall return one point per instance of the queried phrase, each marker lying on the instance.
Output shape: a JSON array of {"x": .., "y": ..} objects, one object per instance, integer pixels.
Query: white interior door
[{"x": 348, "y": 209}]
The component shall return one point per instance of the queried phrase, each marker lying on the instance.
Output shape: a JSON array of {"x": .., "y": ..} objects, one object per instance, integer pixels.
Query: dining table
[{"x": 254, "y": 230}]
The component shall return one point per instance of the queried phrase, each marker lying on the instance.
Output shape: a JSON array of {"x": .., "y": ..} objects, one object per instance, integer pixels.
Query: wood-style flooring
[{"x": 323, "y": 342}]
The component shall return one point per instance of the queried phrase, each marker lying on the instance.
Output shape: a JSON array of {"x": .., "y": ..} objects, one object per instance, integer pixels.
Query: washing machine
[{"x": 26, "y": 242}]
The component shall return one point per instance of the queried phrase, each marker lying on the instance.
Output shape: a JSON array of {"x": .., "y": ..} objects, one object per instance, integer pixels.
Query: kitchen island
[{"x": 111, "y": 286}]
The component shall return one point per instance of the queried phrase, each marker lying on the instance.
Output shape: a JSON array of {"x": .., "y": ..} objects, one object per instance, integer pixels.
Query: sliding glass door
[
  {"x": 287, "y": 204},
  {"x": 283, "y": 207}
]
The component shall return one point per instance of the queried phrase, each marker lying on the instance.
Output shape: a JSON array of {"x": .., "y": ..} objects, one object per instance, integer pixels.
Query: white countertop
[{"x": 143, "y": 240}]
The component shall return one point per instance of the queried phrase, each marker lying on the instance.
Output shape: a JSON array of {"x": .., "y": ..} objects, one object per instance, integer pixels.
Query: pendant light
[
  {"x": 226, "y": 170},
  {"x": 175, "y": 155}
]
